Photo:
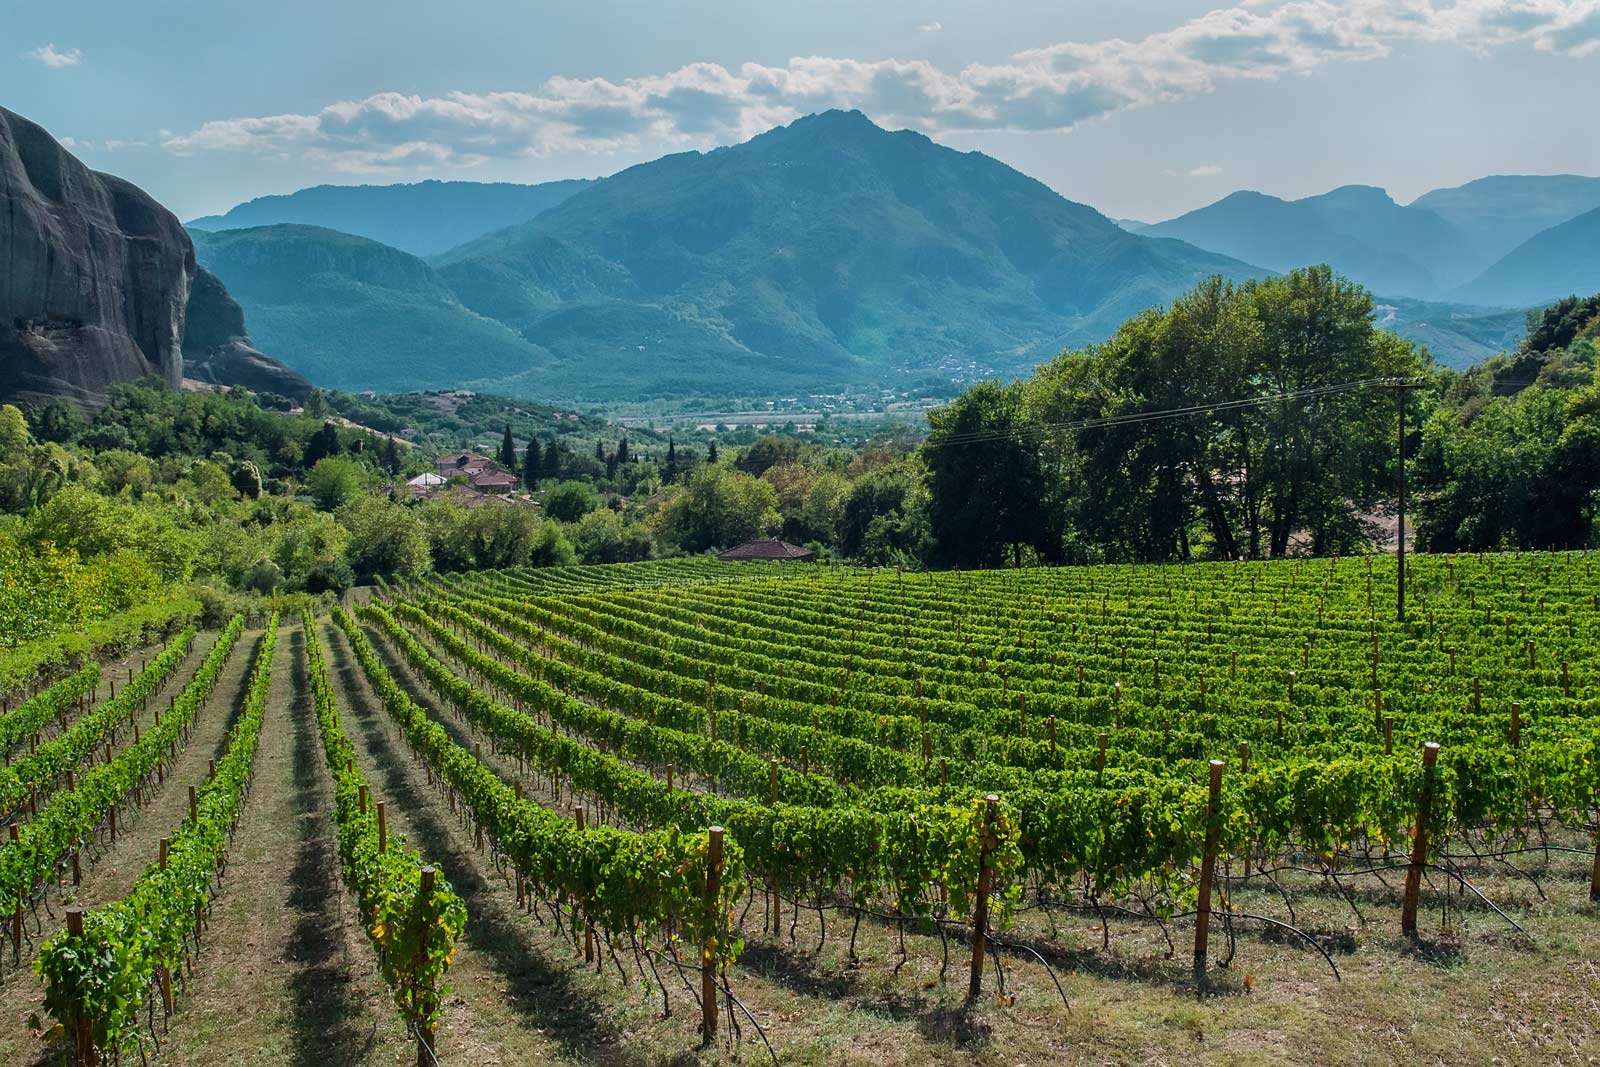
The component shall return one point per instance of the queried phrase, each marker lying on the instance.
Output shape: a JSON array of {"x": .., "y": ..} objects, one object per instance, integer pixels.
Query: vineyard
[{"x": 686, "y": 811}]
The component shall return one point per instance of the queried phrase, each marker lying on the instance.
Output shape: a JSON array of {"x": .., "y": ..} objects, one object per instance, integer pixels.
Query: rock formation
[{"x": 96, "y": 280}]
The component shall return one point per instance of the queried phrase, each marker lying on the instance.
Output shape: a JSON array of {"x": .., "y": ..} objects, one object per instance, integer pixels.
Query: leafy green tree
[
  {"x": 551, "y": 548},
  {"x": 766, "y": 453},
  {"x": 323, "y": 444},
  {"x": 385, "y": 539},
  {"x": 246, "y": 478},
  {"x": 988, "y": 488},
  {"x": 718, "y": 508},
  {"x": 335, "y": 481},
  {"x": 14, "y": 435},
  {"x": 884, "y": 517},
  {"x": 570, "y": 501},
  {"x": 711, "y": 453},
  {"x": 602, "y": 536},
  {"x": 391, "y": 456},
  {"x": 59, "y": 421}
]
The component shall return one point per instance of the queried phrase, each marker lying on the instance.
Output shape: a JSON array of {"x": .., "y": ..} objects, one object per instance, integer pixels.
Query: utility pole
[{"x": 1400, "y": 390}]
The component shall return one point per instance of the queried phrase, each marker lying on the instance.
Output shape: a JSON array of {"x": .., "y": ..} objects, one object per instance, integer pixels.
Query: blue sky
[{"x": 1140, "y": 109}]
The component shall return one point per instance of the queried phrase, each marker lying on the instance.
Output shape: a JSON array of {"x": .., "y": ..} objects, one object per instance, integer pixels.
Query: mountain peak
[{"x": 1358, "y": 196}]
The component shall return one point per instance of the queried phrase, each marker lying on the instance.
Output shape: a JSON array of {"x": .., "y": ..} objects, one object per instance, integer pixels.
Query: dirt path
[
  {"x": 109, "y": 872},
  {"x": 285, "y": 975},
  {"x": 522, "y": 997}
]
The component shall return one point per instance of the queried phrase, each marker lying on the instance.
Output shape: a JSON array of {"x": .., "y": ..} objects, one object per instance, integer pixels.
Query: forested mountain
[
  {"x": 423, "y": 218},
  {"x": 1358, "y": 230},
  {"x": 822, "y": 254},
  {"x": 355, "y": 314}
]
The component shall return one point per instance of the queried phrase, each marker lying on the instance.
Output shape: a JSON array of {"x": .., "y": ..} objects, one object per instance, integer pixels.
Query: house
[
  {"x": 464, "y": 464},
  {"x": 772, "y": 549},
  {"x": 492, "y": 481}
]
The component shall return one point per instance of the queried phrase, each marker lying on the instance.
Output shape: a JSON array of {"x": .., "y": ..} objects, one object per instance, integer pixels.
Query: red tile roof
[{"x": 772, "y": 549}]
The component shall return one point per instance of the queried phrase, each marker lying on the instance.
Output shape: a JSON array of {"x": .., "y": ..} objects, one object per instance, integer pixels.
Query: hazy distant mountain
[
  {"x": 822, "y": 254},
  {"x": 1499, "y": 213},
  {"x": 1356, "y": 229},
  {"x": 1561, "y": 261},
  {"x": 423, "y": 218},
  {"x": 353, "y": 314}
]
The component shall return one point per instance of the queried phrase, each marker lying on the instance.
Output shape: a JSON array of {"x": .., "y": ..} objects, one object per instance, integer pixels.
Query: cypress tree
[{"x": 508, "y": 451}]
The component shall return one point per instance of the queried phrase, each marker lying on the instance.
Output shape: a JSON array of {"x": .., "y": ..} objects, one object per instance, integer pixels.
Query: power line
[{"x": 1134, "y": 418}]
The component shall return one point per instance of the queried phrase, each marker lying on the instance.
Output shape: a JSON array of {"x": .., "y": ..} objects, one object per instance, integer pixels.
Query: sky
[{"x": 1143, "y": 110}]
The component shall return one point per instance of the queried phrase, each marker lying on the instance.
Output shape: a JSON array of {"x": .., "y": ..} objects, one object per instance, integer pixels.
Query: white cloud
[
  {"x": 1205, "y": 170},
  {"x": 1051, "y": 88},
  {"x": 931, "y": 27},
  {"x": 50, "y": 56}
]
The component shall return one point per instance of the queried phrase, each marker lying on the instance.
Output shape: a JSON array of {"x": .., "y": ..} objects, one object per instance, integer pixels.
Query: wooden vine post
[
  {"x": 1419, "y": 842},
  {"x": 777, "y": 896},
  {"x": 425, "y": 1056},
  {"x": 588, "y": 927},
  {"x": 1208, "y": 867},
  {"x": 162, "y": 972},
  {"x": 980, "y": 903},
  {"x": 16, "y": 916},
  {"x": 708, "y": 951},
  {"x": 85, "y": 1054}
]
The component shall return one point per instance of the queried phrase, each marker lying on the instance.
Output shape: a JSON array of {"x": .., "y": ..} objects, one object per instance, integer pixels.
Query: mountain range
[
  {"x": 1484, "y": 242},
  {"x": 422, "y": 218},
  {"x": 824, "y": 256}
]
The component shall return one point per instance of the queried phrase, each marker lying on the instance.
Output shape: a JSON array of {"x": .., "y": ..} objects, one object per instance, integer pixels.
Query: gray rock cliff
[{"x": 96, "y": 284}]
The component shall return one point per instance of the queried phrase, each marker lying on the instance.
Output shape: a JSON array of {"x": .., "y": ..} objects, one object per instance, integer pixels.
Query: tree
[
  {"x": 766, "y": 453},
  {"x": 385, "y": 539},
  {"x": 508, "y": 451},
  {"x": 323, "y": 443},
  {"x": 552, "y": 458},
  {"x": 670, "y": 474},
  {"x": 989, "y": 492},
  {"x": 246, "y": 478},
  {"x": 718, "y": 508},
  {"x": 551, "y": 548},
  {"x": 600, "y": 450},
  {"x": 59, "y": 421},
  {"x": 622, "y": 450},
  {"x": 532, "y": 464},
  {"x": 603, "y": 537},
  {"x": 711, "y": 453},
  {"x": 335, "y": 482},
  {"x": 883, "y": 519},
  {"x": 570, "y": 501},
  {"x": 1226, "y": 425},
  {"x": 14, "y": 436},
  {"x": 391, "y": 456}
]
